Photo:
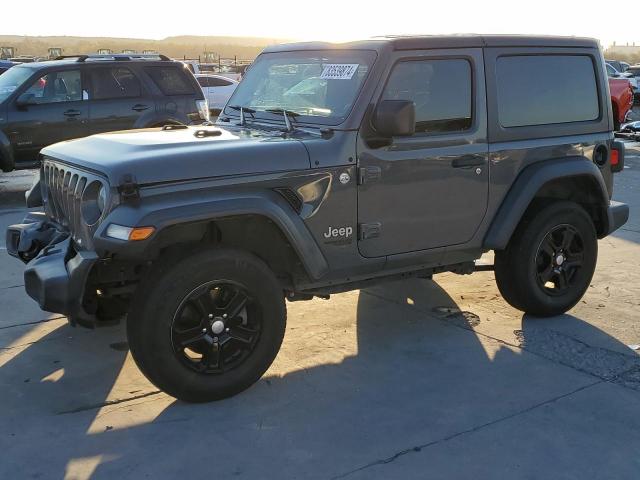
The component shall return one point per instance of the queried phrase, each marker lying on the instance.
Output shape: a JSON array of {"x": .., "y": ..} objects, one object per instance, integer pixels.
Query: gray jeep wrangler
[{"x": 333, "y": 167}]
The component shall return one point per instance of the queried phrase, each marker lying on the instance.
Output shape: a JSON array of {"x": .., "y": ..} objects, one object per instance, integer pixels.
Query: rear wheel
[
  {"x": 209, "y": 326},
  {"x": 550, "y": 260}
]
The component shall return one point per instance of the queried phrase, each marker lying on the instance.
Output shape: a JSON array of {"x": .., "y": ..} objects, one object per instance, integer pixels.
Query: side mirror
[
  {"x": 26, "y": 99},
  {"x": 395, "y": 118}
]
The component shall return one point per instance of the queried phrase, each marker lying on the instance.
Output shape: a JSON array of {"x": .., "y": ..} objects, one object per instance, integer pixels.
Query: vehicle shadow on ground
[{"x": 417, "y": 375}]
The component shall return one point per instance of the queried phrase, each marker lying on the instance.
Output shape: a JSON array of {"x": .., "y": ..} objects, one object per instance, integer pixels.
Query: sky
[{"x": 328, "y": 20}]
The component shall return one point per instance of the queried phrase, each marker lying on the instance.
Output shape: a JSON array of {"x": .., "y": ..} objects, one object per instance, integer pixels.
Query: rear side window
[
  {"x": 551, "y": 89},
  {"x": 118, "y": 82},
  {"x": 170, "y": 80},
  {"x": 204, "y": 81},
  {"x": 440, "y": 89},
  {"x": 219, "y": 82},
  {"x": 213, "y": 82}
]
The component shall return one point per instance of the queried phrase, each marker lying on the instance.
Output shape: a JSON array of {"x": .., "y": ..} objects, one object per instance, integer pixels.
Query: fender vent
[{"x": 291, "y": 197}]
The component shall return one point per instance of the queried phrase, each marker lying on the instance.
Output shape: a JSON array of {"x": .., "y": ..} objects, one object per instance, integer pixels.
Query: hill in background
[{"x": 245, "y": 48}]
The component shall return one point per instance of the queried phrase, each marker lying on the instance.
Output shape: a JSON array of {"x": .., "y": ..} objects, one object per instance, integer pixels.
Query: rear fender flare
[{"x": 528, "y": 184}]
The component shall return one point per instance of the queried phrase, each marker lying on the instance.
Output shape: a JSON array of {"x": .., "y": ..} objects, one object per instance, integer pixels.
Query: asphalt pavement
[{"x": 413, "y": 379}]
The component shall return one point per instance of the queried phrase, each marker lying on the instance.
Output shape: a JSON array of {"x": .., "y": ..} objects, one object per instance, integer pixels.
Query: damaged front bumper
[{"x": 56, "y": 273}]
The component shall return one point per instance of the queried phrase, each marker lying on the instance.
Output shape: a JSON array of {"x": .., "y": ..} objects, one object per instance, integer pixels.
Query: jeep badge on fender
[
  {"x": 455, "y": 155},
  {"x": 338, "y": 232}
]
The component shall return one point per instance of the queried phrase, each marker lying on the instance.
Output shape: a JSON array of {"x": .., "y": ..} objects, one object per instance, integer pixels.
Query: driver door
[
  {"x": 428, "y": 190},
  {"x": 57, "y": 111}
]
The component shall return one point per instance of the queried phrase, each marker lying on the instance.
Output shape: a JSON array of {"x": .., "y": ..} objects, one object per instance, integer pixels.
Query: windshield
[
  {"x": 320, "y": 86},
  {"x": 12, "y": 79}
]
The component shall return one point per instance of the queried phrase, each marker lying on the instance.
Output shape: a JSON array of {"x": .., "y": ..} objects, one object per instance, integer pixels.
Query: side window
[
  {"x": 440, "y": 89},
  {"x": 546, "y": 89},
  {"x": 114, "y": 82},
  {"x": 610, "y": 70},
  {"x": 219, "y": 82},
  {"x": 203, "y": 81},
  {"x": 170, "y": 80},
  {"x": 56, "y": 87}
]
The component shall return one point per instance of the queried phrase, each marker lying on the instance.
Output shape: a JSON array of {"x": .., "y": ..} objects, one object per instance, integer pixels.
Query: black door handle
[
  {"x": 72, "y": 113},
  {"x": 139, "y": 107},
  {"x": 468, "y": 161}
]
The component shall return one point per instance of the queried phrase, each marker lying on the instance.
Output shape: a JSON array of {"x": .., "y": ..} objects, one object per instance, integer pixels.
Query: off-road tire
[
  {"x": 518, "y": 267},
  {"x": 151, "y": 320}
]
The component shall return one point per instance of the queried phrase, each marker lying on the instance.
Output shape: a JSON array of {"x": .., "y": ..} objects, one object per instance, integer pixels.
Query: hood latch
[{"x": 129, "y": 189}]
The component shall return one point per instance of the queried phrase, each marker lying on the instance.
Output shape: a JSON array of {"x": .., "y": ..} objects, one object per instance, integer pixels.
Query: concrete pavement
[
  {"x": 414, "y": 379},
  {"x": 13, "y": 185}
]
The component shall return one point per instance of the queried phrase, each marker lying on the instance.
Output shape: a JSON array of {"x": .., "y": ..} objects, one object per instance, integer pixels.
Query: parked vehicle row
[{"x": 47, "y": 102}]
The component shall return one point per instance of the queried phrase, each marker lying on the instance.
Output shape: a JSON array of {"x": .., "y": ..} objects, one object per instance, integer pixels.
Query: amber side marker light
[{"x": 133, "y": 234}]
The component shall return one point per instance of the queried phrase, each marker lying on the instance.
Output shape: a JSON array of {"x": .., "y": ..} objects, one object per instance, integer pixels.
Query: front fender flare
[
  {"x": 181, "y": 208},
  {"x": 527, "y": 185}
]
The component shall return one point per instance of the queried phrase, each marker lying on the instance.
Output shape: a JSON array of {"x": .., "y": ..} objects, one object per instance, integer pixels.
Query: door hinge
[
  {"x": 369, "y": 230},
  {"x": 368, "y": 174}
]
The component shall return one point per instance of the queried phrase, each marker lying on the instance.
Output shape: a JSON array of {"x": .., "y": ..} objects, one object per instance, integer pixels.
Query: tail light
[{"x": 616, "y": 157}]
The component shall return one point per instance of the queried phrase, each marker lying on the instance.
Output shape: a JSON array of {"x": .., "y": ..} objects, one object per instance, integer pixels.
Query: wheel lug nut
[
  {"x": 224, "y": 315},
  {"x": 211, "y": 315},
  {"x": 226, "y": 329},
  {"x": 204, "y": 330},
  {"x": 215, "y": 339}
]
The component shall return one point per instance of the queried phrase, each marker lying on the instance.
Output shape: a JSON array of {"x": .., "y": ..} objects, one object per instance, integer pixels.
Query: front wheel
[
  {"x": 549, "y": 262},
  {"x": 208, "y": 326}
]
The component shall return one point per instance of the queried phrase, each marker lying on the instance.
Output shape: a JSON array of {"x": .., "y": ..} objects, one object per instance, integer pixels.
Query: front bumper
[
  {"x": 617, "y": 215},
  {"x": 56, "y": 274}
]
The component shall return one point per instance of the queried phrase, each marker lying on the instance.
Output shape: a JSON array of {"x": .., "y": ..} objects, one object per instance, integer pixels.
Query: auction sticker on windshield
[{"x": 339, "y": 71}]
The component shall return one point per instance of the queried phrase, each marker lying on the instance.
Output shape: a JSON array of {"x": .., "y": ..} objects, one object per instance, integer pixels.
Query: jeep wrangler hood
[{"x": 156, "y": 155}]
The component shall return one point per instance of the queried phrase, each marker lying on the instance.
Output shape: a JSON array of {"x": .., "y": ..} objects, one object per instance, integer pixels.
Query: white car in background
[{"x": 217, "y": 89}]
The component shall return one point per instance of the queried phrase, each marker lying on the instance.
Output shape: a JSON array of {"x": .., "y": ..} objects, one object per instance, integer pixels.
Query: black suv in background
[{"x": 47, "y": 102}]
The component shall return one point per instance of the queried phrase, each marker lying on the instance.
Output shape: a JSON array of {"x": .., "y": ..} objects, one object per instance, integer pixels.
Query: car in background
[
  {"x": 613, "y": 72},
  {"x": 621, "y": 100},
  {"x": 633, "y": 72},
  {"x": 217, "y": 90},
  {"x": 618, "y": 65},
  {"x": 623, "y": 88},
  {"x": 42, "y": 103},
  {"x": 24, "y": 59},
  {"x": 234, "y": 72},
  {"x": 5, "y": 65}
]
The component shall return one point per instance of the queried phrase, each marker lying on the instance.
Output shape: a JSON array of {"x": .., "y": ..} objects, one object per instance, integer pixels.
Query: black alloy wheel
[
  {"x": 216, "y": 327},
  {"x": 207, "y": 326},
  {"x": 559, "y": 258}
]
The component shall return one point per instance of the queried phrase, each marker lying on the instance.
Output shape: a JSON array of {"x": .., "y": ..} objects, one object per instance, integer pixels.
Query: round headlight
[{"x": 94, "y": 200}]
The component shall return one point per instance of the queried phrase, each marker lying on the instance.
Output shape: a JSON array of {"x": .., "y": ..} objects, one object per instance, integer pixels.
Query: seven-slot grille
[{"x": 62, "y": 193}]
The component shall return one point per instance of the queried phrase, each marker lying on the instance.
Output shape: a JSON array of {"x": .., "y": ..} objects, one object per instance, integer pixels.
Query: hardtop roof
[{"x": 417, "y": 42}]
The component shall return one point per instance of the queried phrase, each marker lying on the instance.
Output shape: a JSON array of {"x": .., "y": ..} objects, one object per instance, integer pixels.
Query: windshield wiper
[
  {"x": 286, "y": 114},
  {"x": 241, "y": 109}
]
